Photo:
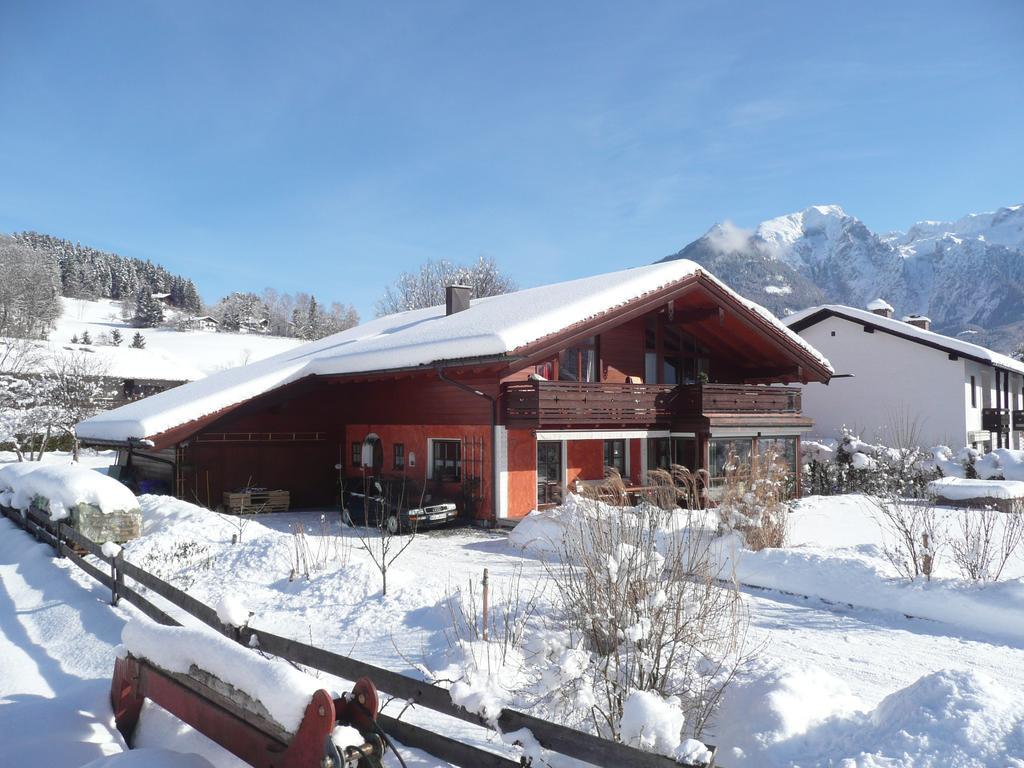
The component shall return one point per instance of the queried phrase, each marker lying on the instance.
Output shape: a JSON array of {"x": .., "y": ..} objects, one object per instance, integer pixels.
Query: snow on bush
[
  {"x": 282, "y": 689},
  {"x": 63, "y": 487},
  {"x": 655, "y": 724},
  {"x": 638, "y": 605},
  {"x": 851, "y": 465}
]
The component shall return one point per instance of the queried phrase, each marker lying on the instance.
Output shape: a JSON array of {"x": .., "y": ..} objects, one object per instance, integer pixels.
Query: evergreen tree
[
  {"x": 116, "y": 338},
  {"x": 138, "y": 341},
  {"x": 149, "y": 312},
  {"x": 74, "y": 339},
  {"x": 86, "y": 338}
]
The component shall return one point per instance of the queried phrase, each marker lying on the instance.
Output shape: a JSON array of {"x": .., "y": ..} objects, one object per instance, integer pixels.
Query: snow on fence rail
[{"x": 555, "y": 738}]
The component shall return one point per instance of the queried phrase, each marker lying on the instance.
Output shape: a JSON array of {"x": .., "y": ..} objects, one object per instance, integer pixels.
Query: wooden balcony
[
  {"x": 569, "y": 403},
  {"x": 736, "y": 398},
  {"x": 572, "y": 404}
]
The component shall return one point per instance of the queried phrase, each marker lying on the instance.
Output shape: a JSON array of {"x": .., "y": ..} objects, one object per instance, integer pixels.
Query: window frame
[
  {"x": 436, "y": 460},
  {"x": 398, "y": 455},
  {"x": 356, "y": 457}
]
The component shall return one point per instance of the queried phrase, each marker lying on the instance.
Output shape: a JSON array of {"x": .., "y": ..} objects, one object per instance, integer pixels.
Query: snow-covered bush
[
  {"x": 643, "y": 609},
  {"x": 850, "y": 465},
  {"x": 913, "y": 534}
]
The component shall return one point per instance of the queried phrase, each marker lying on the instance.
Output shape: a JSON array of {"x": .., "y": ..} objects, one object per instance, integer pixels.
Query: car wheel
[{"x": 394, "y": 526}]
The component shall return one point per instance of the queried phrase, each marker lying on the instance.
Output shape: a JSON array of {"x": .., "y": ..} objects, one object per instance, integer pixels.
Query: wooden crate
[{"x": 252, "y": 501}]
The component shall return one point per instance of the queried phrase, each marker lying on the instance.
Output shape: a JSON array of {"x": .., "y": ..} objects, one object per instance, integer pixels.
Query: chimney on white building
[
  {"x": 881, "y": 307},
  {"x": 920, "y": 321}
]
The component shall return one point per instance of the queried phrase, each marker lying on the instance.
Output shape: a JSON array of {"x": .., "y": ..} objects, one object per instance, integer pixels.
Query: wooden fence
[{"x": 556, "y": 738}]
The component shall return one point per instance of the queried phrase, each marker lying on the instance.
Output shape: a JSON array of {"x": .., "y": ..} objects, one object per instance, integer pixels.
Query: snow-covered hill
[
  {"x": 963, "y": 274},
  {"x": 169, "y": 354}
]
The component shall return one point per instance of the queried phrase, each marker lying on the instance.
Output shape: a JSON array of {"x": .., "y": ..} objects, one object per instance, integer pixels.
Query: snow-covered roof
[
  {"x": 879, "y": 304},
  {"x": 915, "y": 318},
  {"x": 491, "y": 327},
  {"x": 913, "y": 332}
]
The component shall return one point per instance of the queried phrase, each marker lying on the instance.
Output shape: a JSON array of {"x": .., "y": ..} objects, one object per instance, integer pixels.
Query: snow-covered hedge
[
  {"x": 850, "y": 465},
  {"x": 970, "y": 463}
]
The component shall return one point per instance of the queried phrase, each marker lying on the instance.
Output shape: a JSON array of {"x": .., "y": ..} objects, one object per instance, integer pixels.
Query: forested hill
[{"x": 86, "y": 273}]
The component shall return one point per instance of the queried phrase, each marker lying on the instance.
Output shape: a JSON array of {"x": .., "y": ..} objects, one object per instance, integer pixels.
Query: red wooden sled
[{"x": 242, "y": 725}]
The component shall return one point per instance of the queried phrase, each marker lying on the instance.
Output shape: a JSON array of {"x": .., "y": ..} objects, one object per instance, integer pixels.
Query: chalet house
[
  {"x": 958, "y": 393},
  {"x": 499, "y": 403},
  {"x": 202, "y": 323}
]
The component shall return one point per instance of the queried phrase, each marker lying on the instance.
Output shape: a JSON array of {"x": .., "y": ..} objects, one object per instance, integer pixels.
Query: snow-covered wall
[{"x": 893, "y": 378}]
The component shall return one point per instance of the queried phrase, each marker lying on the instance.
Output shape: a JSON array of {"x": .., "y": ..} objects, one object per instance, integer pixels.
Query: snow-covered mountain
[{"x": 966, "y": 275}]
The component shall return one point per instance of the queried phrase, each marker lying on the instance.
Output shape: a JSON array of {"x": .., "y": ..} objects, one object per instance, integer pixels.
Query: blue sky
[{"x": 328, "y": 146}]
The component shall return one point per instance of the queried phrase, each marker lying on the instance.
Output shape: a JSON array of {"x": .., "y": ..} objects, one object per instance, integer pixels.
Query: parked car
[{"x": 397, "y": 505}]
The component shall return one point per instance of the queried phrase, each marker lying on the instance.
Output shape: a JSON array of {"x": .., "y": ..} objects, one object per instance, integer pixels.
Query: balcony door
[{"x": 549, "y": 472}]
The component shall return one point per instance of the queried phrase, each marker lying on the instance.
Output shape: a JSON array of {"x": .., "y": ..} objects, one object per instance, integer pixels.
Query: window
[
  {"x": 579, "y": 363},
  {"x": 974, "y": 394},
  {"x": 447, "y": 461},
  {"x": 399, "y": 456},
  {"x": 615, "y": 455},
  {"x": 725, "y": 450},
  {"x": 659, "y": 453},
  {"x": 684, "y": 452},
  {"x": 357, "y": 455},
  {"x": 783, "y": 449}
]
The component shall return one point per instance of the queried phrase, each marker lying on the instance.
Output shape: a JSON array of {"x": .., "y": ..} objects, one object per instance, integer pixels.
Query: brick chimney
[
  {"x": 881, "y": 308},
  {"x": 920, "y": 321},
  {"x": 456, "y": 298}
]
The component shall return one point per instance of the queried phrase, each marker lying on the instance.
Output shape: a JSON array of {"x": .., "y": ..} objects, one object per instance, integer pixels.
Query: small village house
[
  {"x": 499, "y": 403},
  {"x": 954, "y": 392}
]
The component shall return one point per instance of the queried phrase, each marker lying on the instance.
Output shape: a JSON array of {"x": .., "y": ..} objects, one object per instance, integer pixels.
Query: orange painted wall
[
  {"x": 584, "y": 461},
  {"x": 522, "y": 472},
  {"x": 414, "y": 437}
]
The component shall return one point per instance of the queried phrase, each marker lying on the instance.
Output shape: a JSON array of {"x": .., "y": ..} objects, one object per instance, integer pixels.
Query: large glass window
[
  {"x": 447, "y": 461},
  {"x": 659, "y": 453},
  {"x": 781, "y": 450},
  {"x": 728, "y": 454},
  {"x": 684, "y": 452},
  {"x": 579, "y": 363},
  {"x": 615, "y": 455}
]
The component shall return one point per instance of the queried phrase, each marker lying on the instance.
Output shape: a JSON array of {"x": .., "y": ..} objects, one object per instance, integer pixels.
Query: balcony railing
[
  {"x": 567, "y": 403},
  {"x": 995, "y": 419},
  {"x": 737, "y": 398}
]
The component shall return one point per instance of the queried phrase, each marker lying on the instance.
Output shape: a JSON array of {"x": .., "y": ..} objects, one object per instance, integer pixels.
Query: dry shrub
[
  {"x": 985, "y": 540},
  {"x": 753, "y": 500},
  {"x": 913, "y": 535},
  {"x": 638, "y": 590}
]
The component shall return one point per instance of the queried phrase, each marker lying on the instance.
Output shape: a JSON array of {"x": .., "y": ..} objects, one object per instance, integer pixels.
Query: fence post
[
  {"x": 60, "y": 539},
  {"x": 486, "y": 602},
  {"x": 117, "y": 578}
]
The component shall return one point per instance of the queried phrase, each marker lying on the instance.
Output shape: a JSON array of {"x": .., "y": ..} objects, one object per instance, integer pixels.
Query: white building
[{"x": 889, "y": 372}]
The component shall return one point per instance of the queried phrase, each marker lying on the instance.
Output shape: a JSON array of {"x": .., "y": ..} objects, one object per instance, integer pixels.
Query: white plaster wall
[{"x": 893, "y": 377}]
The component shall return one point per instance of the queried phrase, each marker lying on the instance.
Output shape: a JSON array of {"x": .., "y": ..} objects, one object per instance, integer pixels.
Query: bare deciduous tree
[
  {"x": 78, "y": 381},
  {"x": 382, "y": 536},
  {"x": 417, "y": 290}
]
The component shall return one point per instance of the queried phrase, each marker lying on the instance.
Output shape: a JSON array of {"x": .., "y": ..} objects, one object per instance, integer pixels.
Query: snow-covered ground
[
  {"x": 838, "y": 680},
  {"x": 196, "y": 353}
]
